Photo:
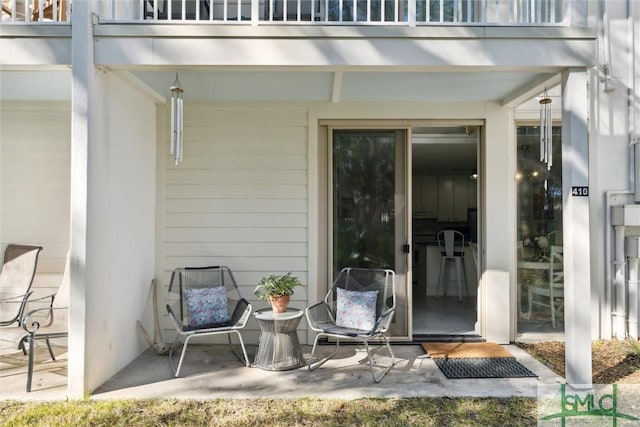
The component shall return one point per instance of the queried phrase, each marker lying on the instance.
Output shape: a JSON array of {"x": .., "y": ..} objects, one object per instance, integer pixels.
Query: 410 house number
[{"x": 580, "y": 191}]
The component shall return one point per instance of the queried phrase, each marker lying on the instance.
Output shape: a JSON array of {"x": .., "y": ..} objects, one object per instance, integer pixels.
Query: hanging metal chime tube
[
  {"x": 177, "y": 120},
  {"x": 546, "y": 144}
]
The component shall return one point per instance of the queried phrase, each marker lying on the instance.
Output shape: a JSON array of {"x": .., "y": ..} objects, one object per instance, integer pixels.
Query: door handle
[{"x": 406, "y": 249}]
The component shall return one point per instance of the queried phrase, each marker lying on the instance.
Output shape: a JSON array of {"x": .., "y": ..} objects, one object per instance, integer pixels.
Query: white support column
[
  {"x": 498, "y": 285},
  {"x": 633, "y": 298},
  {"x": 619, "y": 315},
  {"x": 83, "y": 72},
  {"x": 633, "y": 255},
  {"x": 577, "y": 268}
]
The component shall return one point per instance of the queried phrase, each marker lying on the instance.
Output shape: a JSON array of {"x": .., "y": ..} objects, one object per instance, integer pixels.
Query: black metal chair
[
  {"x": 359, "y": 306},
  {"x": 205, "y": 301}
]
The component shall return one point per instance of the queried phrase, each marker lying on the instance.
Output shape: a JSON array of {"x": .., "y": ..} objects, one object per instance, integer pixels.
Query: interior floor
[
  {"x": 448, "y": 316},
  {"x": 443, "y": 316}
]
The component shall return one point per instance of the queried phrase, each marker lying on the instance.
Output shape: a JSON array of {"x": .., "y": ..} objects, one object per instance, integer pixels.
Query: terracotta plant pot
[{"x": 279, "y": 303}]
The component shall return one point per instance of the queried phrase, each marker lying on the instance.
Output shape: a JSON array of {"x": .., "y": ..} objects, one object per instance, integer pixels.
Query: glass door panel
[
  {"x": 369, "y": 206},
  {"x": 540, "y": 299}
]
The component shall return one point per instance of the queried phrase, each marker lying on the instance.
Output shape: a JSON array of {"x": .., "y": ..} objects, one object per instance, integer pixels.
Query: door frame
[{"x": 322, "y": 149}]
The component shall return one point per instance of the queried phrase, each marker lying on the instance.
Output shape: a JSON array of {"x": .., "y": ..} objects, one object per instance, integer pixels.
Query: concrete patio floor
[{"x": 211, "y": 372}]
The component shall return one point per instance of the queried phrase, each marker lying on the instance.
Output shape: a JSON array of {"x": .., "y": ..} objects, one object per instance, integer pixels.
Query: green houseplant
[{"x": 277, "y": 290}]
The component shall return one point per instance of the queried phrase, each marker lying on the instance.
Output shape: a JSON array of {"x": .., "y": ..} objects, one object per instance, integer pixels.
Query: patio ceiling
[
  {"x": 342, "y": 86},
  {"x": 287, "y": 85}
]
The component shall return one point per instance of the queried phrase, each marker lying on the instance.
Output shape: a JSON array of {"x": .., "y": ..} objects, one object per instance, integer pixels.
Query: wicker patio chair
[
  {"x": 359, "y": 306},
  {"x": 205, "y": 301}
]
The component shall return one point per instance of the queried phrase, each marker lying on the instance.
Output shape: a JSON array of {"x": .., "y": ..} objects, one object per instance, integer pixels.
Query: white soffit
[
  {"x": 286, "y": 85},
  {"x": 244, "y": 85},
  {"x": 449, "y": 86},
  {"x": 355, "y": 86}
]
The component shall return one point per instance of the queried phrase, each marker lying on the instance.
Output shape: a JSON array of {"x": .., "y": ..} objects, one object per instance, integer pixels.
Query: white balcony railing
[
  {"x": 36, "y": 11},
  {"x": 310, "y": 12},
  {"x": 333, "y": 12}
]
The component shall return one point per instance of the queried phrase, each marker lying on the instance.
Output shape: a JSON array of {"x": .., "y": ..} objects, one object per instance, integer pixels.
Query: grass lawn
[
  {"x": 272, "y": 412},
  {"x": 613, "y": 362}
]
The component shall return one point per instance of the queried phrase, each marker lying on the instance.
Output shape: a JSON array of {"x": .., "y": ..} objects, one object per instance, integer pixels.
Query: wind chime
[
  {"x": 546, "y": 143},
  {"x": 177, "y": 120}
]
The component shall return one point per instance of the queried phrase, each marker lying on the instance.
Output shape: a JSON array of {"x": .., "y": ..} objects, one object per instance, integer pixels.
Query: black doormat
[{"x": 483, "y": 367}]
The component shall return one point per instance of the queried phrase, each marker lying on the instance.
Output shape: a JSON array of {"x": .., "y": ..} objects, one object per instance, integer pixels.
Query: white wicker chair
[{"x": 551, "y": 295}]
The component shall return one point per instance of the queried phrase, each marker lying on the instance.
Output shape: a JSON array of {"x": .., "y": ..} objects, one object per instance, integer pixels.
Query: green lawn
[{"x": 273, "y": 412}]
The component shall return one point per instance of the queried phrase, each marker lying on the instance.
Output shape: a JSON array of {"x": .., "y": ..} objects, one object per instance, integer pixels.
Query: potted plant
[{"x": 277, "y": 290}]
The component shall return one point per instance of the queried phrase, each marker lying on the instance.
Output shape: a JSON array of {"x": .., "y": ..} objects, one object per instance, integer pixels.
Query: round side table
[{"x": 278, "y": 347}]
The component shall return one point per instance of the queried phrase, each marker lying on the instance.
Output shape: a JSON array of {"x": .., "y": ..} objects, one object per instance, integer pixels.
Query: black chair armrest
[
  {"x": 15, "y": 298},
  {"x": 32, "y": 325},
  {"x": 20, "y": 300}
]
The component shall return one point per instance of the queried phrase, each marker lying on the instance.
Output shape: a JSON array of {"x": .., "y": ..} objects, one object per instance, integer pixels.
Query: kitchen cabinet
[
  {"x": 425, "y": 196},
  {"x": 453, "y": 198}
]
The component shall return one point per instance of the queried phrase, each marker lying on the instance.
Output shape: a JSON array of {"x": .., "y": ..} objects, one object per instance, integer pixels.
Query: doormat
[
  {"x": 482, "y": 367},
  {"x": 457, "y": 350}
]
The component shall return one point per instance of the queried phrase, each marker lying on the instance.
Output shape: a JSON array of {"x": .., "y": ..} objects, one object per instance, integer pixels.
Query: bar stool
[{"x": 448, "y": 240}]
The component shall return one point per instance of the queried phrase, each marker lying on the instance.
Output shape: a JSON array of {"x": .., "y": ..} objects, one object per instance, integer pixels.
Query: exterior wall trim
[
  {"x": 36, "y": 31},
  {"x": 322, "y": 32}
]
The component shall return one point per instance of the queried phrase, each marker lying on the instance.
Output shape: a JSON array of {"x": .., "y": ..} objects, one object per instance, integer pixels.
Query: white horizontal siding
[
  {"x": 253, "y": 191},
  {"x": 238, "y": 177},
  {"x": 241, "y": 161},
  {"x": 229, "y": 138},
  {"x": 253, "y": 220},
  {"x": 225, "y": 249},
  {"x": 246, "y": 235},
  {"x": 240, "y": 197},
  {"x": 235, "y": 205},
  {"x": 35, "y": 154},
  {"x": 241, "y": 117}
]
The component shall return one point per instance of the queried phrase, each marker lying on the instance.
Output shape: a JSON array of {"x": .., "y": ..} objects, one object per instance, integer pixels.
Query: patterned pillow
[
  {"x": 206, "y": 306},
  {"x": 356, "y": 309}
]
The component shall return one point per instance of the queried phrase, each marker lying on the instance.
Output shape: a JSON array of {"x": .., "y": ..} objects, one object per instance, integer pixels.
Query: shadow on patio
[{"x": 214, "y": 372}]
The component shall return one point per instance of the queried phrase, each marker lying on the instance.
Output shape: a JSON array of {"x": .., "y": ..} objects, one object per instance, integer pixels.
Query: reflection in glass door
[
  {"x": 540, "y": 302},
  {"x": 369, "y": 207}
]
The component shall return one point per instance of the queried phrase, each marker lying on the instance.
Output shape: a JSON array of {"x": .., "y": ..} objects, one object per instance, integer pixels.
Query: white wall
[
  {"x": 610, "y": 157},
  {"x": 120, "y": 225},
  {"x": 239, "y": 198},
  {"x": 34, "y": 183}
]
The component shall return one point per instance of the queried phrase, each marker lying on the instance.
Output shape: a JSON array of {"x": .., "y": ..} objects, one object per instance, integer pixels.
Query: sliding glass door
[{"x": 369, "y": 207}]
